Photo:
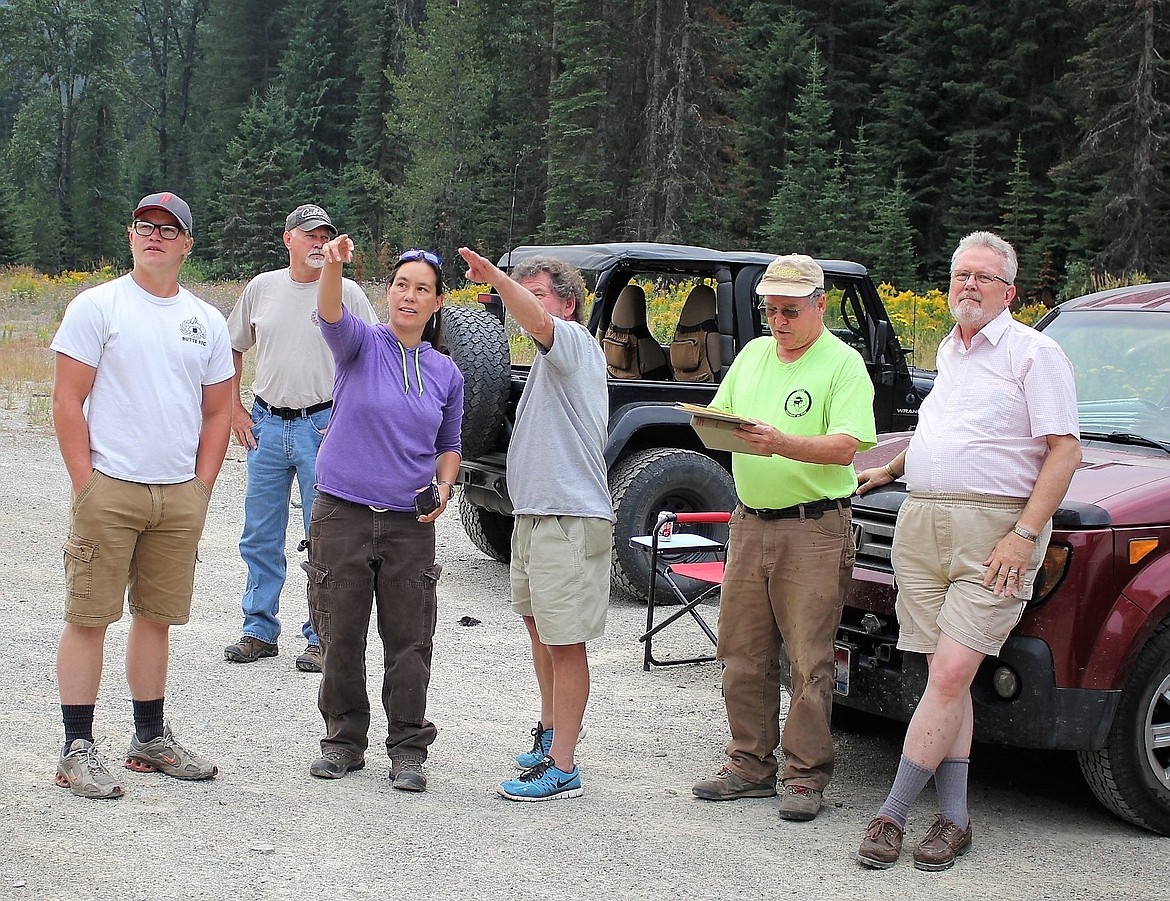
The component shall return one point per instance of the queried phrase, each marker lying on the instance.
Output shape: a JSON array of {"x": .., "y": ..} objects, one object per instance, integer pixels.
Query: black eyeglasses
[
  {"x": 145, "y": 229},
  {"x": 416, "y": 254}
]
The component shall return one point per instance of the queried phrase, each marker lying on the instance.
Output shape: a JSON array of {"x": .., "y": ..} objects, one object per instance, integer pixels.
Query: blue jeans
[{"x": 283, "y": 447}]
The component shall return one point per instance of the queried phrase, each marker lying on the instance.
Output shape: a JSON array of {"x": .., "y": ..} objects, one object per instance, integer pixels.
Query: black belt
[
  {"x": 811, "y": 510},
  {"x": 290, "y": 413}
]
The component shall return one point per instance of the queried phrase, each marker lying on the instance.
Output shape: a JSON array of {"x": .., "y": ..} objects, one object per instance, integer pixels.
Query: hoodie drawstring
[{"x": 417, "y": 371}]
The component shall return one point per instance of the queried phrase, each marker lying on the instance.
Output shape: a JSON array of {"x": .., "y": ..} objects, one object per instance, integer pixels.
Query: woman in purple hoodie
[{"x": 393, "y": 438}]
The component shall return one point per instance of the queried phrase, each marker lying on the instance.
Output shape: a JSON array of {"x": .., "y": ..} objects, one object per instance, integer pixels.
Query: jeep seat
[
  {"x": 694, "y": 351},
  {"x": 631, "y": 352}
]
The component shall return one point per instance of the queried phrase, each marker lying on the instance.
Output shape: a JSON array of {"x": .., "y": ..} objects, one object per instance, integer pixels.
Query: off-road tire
[
  {"x": 1128, "y": 776},
  {"x": 648, "y": 481},
  {"x": 476, "y": 341},
  {"x": 489, "y": 531}
]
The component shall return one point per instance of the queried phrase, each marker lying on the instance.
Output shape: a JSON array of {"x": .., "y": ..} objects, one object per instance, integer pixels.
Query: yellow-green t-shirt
[{"x": 826, "y": 392}]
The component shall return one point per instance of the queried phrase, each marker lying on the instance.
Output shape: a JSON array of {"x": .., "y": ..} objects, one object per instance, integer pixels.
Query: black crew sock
[
  {"x": 78, "y": 720},
  {"x": 148, "y": 719}
]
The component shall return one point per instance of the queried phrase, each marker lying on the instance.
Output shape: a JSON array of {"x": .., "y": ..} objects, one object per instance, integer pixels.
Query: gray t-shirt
[
  {"x": 556, "y": 457},
  {"x": 279, "y": 317}
]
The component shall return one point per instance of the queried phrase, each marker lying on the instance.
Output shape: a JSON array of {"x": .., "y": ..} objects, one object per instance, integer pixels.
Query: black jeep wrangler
[{"x": 656, "y": 461}]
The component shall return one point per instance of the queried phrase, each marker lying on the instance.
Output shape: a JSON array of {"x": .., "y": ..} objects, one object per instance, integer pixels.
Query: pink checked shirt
[{"x": 983, "y": 427}]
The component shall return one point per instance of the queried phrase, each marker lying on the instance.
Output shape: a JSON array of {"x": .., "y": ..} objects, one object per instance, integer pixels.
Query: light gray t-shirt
[
  {"x": 556, "y": 457},
  {"x": 279, "y": 317}
]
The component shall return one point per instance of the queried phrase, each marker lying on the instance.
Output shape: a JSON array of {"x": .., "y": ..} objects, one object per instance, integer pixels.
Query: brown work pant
[{"x": 785, "y": 580}]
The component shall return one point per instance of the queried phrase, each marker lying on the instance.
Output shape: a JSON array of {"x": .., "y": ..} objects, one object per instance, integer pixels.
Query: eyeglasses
[
  {"x": 416, "y": 254},
  {"x": 772, "y": 312},
  {"x": 982, "y": 278},
  {"x": 145, "y": 229}
]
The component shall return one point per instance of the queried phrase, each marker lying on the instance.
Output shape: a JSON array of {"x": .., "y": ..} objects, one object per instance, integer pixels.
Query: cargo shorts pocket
[{"x": 79, "y": 554}]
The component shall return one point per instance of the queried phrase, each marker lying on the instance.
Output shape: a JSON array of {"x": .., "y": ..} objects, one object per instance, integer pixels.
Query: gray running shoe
[
  {"x": 82, "y": 772},
  {"x": 249, "y": 649},
  {"x": 165, "y": 755}
]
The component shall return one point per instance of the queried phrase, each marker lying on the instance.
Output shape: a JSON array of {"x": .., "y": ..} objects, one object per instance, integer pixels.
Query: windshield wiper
[{"x": 1128, "y": 438}]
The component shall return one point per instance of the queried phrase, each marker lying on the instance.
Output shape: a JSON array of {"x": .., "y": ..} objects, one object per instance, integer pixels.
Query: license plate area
[{"x": 842, "y": 657}]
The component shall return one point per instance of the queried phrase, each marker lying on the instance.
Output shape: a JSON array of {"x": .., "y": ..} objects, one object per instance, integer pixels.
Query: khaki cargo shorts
[
  {"x": 560, "y": 575},
  {"x": 940, "y": 543},
  {"x": 135, "y": 540}
]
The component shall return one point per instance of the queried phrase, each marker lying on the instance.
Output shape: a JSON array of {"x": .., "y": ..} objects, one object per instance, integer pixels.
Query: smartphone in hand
[{"x": 427, "y": 500}]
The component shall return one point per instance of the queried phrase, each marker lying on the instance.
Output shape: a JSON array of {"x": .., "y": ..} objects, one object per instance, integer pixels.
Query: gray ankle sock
[
  {"x": 950, "y": 781},
  {"x": 909, "y": 781}
]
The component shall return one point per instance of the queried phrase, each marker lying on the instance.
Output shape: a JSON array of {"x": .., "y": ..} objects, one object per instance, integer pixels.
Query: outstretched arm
[
  {"x": 337, "y": 252},
  {"x": 524, "y": 306}
]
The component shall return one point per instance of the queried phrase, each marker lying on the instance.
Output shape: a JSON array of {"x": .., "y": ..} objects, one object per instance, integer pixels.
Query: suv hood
[{"x": 1115, "y": 485}]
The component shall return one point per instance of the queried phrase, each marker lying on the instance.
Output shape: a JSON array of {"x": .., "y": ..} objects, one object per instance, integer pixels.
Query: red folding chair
[{"x": 709, "y": 572}]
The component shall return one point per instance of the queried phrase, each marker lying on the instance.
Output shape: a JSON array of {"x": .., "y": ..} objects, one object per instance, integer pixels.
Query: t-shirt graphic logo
[
  {"x": 313, "y": 318},
  {"x": 798, "y": 403},
  {"x": 194, "y": 331}
]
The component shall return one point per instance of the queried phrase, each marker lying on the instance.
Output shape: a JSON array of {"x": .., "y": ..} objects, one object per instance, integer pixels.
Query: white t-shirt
[
  {"x": 279, "y": 316},
  {"x": 153, "y": 356}
]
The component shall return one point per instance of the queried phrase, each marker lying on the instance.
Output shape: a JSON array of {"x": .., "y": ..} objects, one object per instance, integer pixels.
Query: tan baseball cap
[{"x": 793, "y": 275}]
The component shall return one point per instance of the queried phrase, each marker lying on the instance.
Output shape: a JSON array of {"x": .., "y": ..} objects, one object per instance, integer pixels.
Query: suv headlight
[{"x": 1051, "y": 573}]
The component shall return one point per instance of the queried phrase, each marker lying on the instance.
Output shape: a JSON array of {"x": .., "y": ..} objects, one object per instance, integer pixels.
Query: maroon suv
[{"x": 1088, "y": 667}]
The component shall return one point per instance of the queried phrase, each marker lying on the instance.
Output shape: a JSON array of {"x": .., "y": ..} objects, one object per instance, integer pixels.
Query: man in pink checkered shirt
[{"x": 992, "y": 457}]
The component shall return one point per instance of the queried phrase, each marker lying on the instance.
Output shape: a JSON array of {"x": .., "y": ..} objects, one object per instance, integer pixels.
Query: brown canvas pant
[
  {"x": 359, "y": 558},
  {"x": 784, "y": 580}
]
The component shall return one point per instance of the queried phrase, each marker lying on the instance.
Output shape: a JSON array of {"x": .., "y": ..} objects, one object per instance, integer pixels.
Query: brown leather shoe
[
  {"x": 725, "y": 785},
  {"x": 943, "y": 843},
  {"x": 882, "y": 844}
]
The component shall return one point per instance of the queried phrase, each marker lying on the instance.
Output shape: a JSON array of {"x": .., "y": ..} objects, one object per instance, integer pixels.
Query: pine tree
[
  {"x": 1125, "y": 102},
  {"x": 579, "y": 202},
  {"x": 1020, "y": 222},
  {"x": 262, "y": 179},
  {"x": 792, "y": 219}
]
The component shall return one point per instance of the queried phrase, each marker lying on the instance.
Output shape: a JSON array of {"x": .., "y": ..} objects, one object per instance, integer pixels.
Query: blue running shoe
[
  {"x": 542, "y": 740},
  {"x": 544, "y": 782}
]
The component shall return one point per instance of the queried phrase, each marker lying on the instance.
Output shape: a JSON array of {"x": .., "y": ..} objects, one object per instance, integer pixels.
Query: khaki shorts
[
  {"x": 560, "y": 575},
  {"x": 130, "y": 538},
  {"x": 940, "y": 543}
]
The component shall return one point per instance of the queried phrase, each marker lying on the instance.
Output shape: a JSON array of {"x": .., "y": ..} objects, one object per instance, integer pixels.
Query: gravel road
[{"x": 264, "y": 829}]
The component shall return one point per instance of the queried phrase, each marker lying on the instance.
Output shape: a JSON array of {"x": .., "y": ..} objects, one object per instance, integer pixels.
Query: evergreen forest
[{"x": 873, "y": 130}]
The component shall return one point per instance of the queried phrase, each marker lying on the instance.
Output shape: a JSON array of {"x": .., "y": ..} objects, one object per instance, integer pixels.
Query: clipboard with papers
[{"x": 716, "y": 428}]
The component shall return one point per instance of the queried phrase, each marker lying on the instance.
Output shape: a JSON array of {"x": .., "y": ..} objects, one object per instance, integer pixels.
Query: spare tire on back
[{"x": 476, "y": 341}]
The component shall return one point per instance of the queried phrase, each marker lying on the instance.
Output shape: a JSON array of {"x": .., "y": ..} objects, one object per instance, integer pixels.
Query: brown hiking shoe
[
  {"x": 943, "y": 843},
  {"x": 248, "y": 650},
  {"x": 799, "y": 802},
  {"x": 727, "y": 786},
  {"x": 882, "y": 844},
  {"x": 310, "y": 660}
]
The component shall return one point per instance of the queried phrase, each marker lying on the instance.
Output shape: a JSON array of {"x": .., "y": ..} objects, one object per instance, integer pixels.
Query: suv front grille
[{"x": 873, "y": 533}]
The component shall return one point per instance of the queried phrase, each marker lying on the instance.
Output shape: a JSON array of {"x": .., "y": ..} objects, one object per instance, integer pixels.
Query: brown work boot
[
  {"x": 248, "y": 650},
  {"x": 943, "y": 843},
  {"x": 882, "y": 844},
  {"x": 727, "y": 786}
]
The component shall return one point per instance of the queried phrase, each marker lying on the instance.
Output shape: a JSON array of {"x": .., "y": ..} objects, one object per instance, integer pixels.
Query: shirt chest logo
[
  {"x": 194, "y": 331},
  {"x": 798, "y": 403}
]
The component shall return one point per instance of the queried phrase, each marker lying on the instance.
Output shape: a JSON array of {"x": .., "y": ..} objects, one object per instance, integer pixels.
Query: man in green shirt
[{"x": 790, "y": 553}]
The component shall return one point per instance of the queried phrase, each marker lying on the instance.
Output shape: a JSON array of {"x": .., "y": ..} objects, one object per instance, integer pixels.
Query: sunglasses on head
[{"x": 416, "y": 254}]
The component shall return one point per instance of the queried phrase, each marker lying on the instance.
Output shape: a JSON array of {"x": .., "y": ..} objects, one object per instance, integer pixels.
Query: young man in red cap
[{"x": 142, "y": 411}]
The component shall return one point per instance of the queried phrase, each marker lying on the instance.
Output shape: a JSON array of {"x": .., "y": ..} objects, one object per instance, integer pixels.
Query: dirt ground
[{"x": 264, "y": 829}]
